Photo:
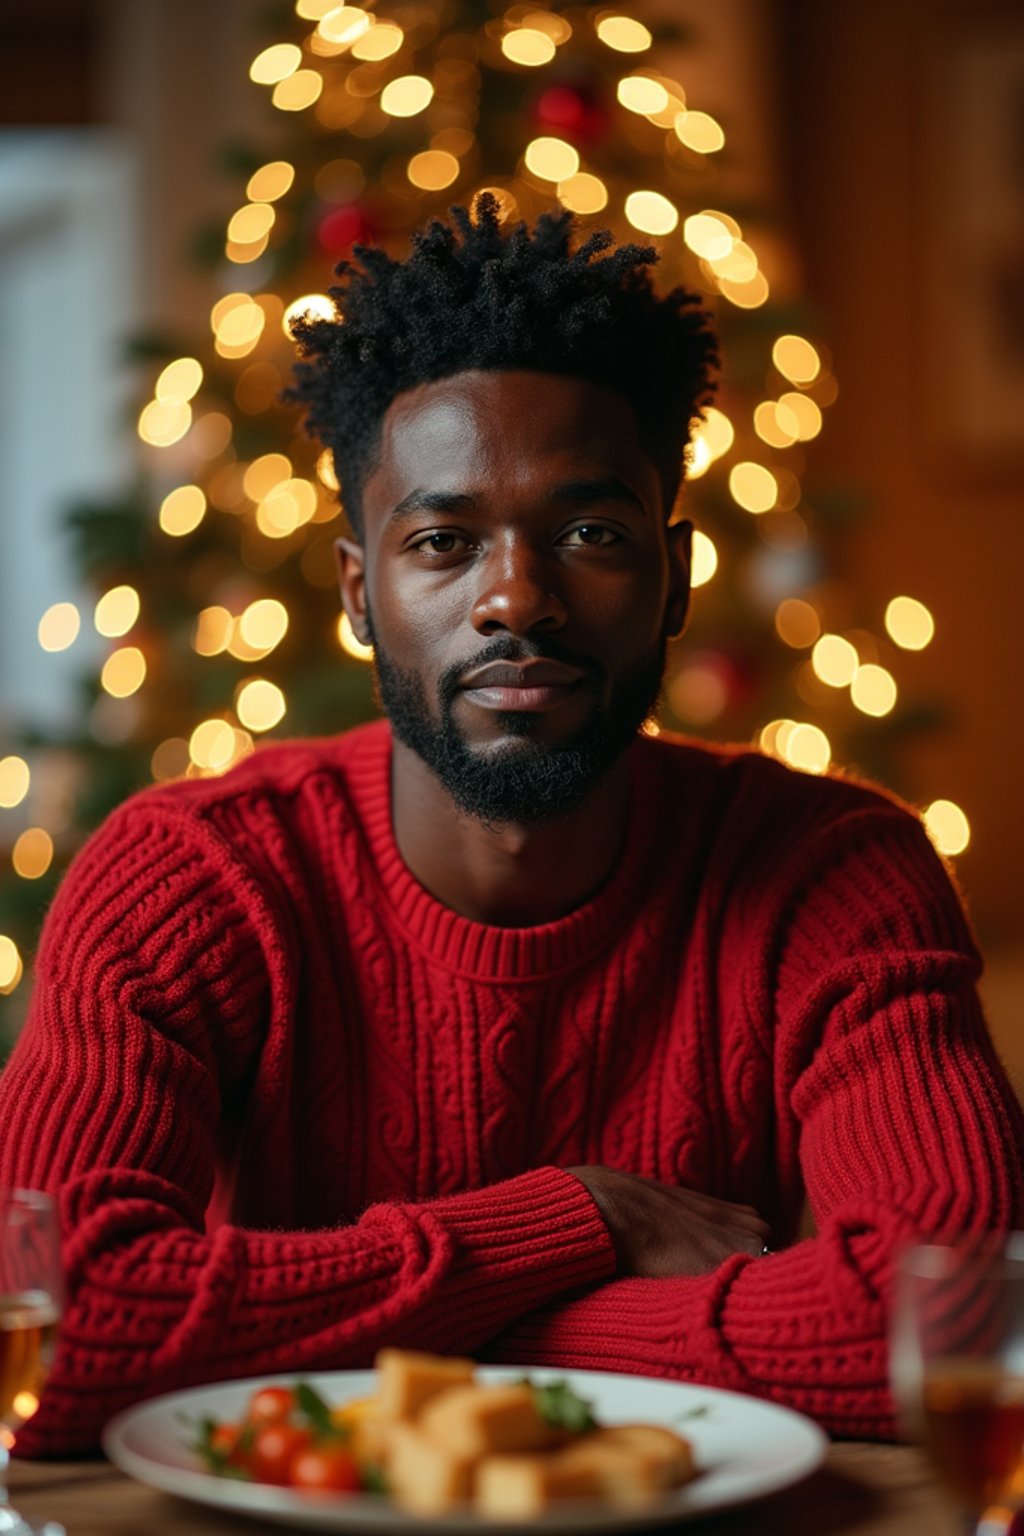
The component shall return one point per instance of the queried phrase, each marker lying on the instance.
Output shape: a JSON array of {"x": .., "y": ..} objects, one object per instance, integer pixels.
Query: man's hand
[{"x": 660, "y": 1231}]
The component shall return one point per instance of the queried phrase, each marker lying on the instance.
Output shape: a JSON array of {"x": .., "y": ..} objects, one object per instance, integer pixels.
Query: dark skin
[{"x": 554, "y": 524}]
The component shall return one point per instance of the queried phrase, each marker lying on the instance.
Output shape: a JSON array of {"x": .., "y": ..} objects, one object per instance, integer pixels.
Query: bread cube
[
  {"x": 523, "y": 1487},
  {"x": 480, "y": 1421},
  {"x": 625, "y": 1477},
  {"x": 424, "y": 1477},
  {"x": 407, "y": 1379},
  {"x": 667, "y": 1453}
]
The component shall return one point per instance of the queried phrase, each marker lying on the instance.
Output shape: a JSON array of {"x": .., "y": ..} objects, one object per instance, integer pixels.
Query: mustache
[{"x": 509, "y": 648}]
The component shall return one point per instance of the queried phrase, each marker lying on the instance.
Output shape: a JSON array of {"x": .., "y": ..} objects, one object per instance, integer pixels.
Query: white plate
[{"x": 744, "y": 1447}]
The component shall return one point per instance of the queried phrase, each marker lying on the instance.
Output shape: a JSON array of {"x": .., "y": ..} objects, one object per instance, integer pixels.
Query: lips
[{"x": 526, "y": 674}]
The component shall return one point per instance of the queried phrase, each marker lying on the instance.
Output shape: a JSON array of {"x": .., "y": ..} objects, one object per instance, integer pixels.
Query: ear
[
  {"x": 680, "y": 540},
  {"x": 351, "y": 563}
]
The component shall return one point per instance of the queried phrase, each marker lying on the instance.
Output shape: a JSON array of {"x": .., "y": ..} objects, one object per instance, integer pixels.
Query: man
[{"x": 501, "y": 1027}]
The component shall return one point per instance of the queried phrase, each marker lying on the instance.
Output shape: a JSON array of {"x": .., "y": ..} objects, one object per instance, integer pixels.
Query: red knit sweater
[{"x": 297, "y": 1109}]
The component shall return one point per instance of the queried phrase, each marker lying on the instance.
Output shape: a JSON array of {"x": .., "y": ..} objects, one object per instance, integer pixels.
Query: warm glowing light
[
  {"x": 349, "y": 643},
  {"x": 116, "y": 611},
  {"x": 325, "y": 471},
  {"x": 947, "y": 826},
  {"x": 745, "y": 295},
  {"x": 311, "y": 306},
  {"x": 768, "y": 427},
  {"x": 275, "y": 63},
  {"x": 909, "y": 623},
  {"x": 264, "y": 624},
  {"x": 237, "y": 320},
  {"x": 738, "y": 266},
  {"x": 873, "y": 690},
  {"x": 270, "y": 182},
  {"x": 774, "y": 735},
  {"x": 314, "y": 10},
  {"x": 170, "y": 760},
  {"x": 124, "y": 671},
  {"x": 708, "y": 235},
  {"x": 432, "y": 169},
  {"x": 380, "y": 42},
  {"x": 805, "y": 746},
  {"x": 10, "y": 965},
  {"x": 800, "y": 415},
  {"x": 797, "y": 623},
  {"x": 639, "y": 93},
  {"x": 214, "y": 628},
  {"x": 551, "y": 159},
  {"x": 583, "y": 193},
  {"x": 406, "y": 96},
  {"x": 344, "y": 24},
  {"x": 59, "y": 626},
  {"x": 264, "y": 473},
  {"x": 298, "y": 91},
  {"x": 260, "y": 705},
  {"x": 180, "y": 380},
  {"x": 250, "y": 223},
  {"x": 212, "y": 745},
  {"x": 285, "y": 508},
  {"x": 211, "y": 434},
  {"x": 698, "y": 693},
  {"x": 241, "y": 255},
  {"x": 835, "y": 661},
  {"x": 624, "y": 34},
  {"x": 507, "y": 205},
  {"x": 753, "y": 487},
  {"x": 794, "y": 357},
  {"x": 182, "y": 511},
  {"x": 526, "y": 46},
  {"x": 164, "y": 422},
  {"x": 699, "y": 131},
  {"x": 652, "y": 213},
  {"x": 15, "y": 778},
  {"x": 717, "y": 431},
  {"x": 556, "y": 27},
  {"x": 703, "y": 559},
  {"x": 32, "y": 854}
]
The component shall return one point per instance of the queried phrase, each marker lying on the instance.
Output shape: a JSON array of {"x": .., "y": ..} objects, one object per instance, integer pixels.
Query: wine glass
[
  {"x": 957, "y": 1366},
  {"x": 31, "y": 1291}
]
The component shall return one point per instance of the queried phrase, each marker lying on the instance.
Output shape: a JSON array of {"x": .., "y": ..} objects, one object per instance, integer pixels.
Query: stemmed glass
[
  {"x": 31, "y": 1292},
  {"x": 957, "y": 1364}
]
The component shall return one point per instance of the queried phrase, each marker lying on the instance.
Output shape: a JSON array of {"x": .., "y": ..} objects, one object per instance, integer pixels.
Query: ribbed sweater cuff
[{"x": 531, "y": 1238}]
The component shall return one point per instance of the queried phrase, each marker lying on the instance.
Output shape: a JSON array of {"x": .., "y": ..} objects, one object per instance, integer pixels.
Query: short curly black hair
[{"x": 496, "y": 299}]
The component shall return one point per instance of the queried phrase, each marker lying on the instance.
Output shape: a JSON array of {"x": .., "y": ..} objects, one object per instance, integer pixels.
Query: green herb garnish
[
  {"x": 312, "y": 1406},
  {"x": 559, "y": 1406}
]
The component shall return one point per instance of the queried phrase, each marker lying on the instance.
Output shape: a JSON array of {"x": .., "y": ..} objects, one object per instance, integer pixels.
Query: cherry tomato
[
  {"x": 274, "y": 1449},
  {"x": 325, "y": 1467},
  {"x": 270, "y": 1405},
  {"x": 224, "y": 1442}
]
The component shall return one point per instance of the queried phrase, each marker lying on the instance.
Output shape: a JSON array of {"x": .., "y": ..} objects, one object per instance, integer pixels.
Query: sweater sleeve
[
  {"x": 149, "y": 1015},
  {"x": 887, "y": 1091}
]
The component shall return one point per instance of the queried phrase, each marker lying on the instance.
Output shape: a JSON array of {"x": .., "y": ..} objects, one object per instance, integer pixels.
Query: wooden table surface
[{"x": 862, "y": 1490}]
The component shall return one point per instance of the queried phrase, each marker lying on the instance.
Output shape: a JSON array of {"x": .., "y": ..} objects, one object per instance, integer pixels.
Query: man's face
[{"x": 518, "y": 584}]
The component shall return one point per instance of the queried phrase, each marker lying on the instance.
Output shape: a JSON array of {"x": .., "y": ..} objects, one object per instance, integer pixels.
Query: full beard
[{"x": 522, "y": 782}]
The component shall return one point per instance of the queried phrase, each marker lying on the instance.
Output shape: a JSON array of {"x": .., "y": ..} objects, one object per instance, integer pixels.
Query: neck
[{"x": 512, "y": 876}]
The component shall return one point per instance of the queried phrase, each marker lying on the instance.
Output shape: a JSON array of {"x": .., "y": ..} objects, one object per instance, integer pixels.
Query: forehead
[{"x": 461, "y": 432}]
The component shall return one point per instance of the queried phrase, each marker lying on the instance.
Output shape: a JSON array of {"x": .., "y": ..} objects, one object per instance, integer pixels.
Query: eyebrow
[{"x": 571, "y": 492}]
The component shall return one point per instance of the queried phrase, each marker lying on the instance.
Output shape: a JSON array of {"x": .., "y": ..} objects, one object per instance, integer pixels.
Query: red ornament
[
  {"x": 570, "y": 110},
  {"x": 344, "y": 227}
]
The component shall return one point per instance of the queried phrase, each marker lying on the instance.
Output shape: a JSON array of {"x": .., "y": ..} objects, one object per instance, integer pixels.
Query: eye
[
  {"x": 439, "y": 543},
  {"x": 593, "y": 535}
]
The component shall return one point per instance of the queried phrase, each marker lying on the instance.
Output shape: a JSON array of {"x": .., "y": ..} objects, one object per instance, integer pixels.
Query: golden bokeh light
[
  {"x": 558, "y": 28},
  {"x": 11, "y": 967},
  {"x": 32, "y": 854},
  {"x": 703, "y": 560},
  {"x": 242, "y": 254},
  {"x": 270, "y": 182},
  {"x": 651, "y": 212},
  {"x": 211, "y": 434},
  {"x": 275, "y": 63},
  {"x": 349, "y": 643},
  {"x": 406, "y": 96},
  {"x": 344, "y": 24},
  {"x": 286, "y": 507},
  {"x": 624, "y": 34},
  {"x": 909, "y": 623},
  {"x": 753, "y": 487},
  {"x": 164, "y": 422},
  {"x": 796, "y": 359},
  {"x": 698, "y": 693},
  {"x": 699, "y": 131},
  {"x": 772, "y": 737},
  {"x": 260, "y": 704},
  {"x": 873, "y": 690},
  {"x": 314, "y": 10},
  {"x": 311, "y": 306},
  {"x": 325, "y": 471},
  {"x": 947, "y": 826},
  {"x": 170, "y": 760},
  {"x": 124, "y": 672},
  {"x": 708, "y": 235},
  {"x": 117, "y": 611},
  {"x": 264, "y": 473},
  {"x": 15, "y": 778},
  {"x": 182, "y": 510},
  {"x": 806, "y": 747},
  {"x": 214, "y": 628},
  {"x": 250, "y": 222},
  {"x": 237, "y": 322},
  {"x": 717, "y": 431},
  {"x": 835, "y": 661},
  {"x": 212, "y": 745},
  {"x": 180, "y": 380},
  {"x": 768, "y": 427},
  {"x": 641, "y": 94},
  {"x": 739, "y": 265},
  {"x": 799, "y": 414},
  {"x": 298, "y": 91},
  {"x": 264, "y": 624},
  {"x": 551, "y": 159},
  {"x": 749, "y": 295},
  {"x": 59, "y": 627},
  {"x": 797, "y": 623},
  {"x": 525, "y": 45},
  {"x": 583, "y": 193},
  {"x": 432, "y": 169},
  {"x": 508, "y": 208},
  {"x": 380, "y": 42}
]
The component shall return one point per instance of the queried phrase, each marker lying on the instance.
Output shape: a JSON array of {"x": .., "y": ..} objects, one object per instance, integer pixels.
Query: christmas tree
[{"x": 214, "y": 574}]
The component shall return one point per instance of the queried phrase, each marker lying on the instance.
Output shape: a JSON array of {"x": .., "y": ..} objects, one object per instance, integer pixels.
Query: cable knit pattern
[{"x": 295, "y": 1108}]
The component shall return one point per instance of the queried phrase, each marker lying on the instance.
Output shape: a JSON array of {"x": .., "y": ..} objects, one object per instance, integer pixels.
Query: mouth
[{"x": 521, "y": 687}]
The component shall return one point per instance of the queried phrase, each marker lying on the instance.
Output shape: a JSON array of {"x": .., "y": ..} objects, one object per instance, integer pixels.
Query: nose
[{"x": 518, "y": 592}]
